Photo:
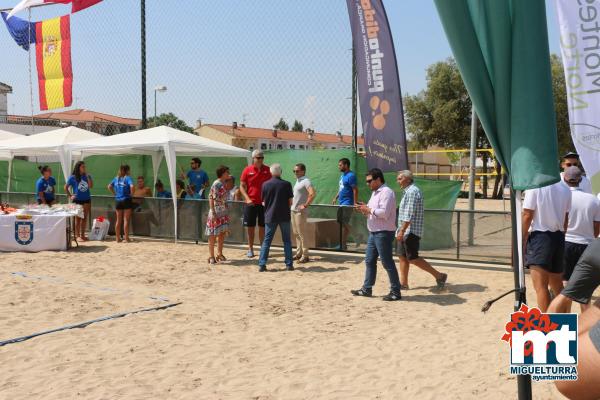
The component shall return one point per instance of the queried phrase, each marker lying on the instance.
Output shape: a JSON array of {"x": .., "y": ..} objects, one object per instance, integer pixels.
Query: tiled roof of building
[
  {"x": 89, "y": 116},
  {"x": 261, "y": 133}
]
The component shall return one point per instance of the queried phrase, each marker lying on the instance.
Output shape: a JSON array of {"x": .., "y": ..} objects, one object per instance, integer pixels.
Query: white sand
[{"x": 240, "y": 334}]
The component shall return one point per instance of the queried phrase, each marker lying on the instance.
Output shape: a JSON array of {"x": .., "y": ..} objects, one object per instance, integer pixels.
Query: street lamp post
[{"x": 161, "y": 89}]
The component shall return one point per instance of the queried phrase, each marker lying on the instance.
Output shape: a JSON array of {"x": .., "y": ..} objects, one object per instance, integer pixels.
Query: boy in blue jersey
[
  {"x": 346, "y": 197},
  {"x": 197, "y": 177}
]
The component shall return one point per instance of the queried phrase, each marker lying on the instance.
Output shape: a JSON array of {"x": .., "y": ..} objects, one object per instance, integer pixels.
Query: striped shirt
[{"x": 411, "y": 210}]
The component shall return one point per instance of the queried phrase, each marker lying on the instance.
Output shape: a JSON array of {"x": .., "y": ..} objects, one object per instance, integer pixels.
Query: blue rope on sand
[{"x": 84, "y": 324}]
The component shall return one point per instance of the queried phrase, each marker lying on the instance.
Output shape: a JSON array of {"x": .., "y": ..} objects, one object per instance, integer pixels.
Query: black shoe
[
  {"x": 442, "y": 281},
  {"x": 262, "y": 268},
  {"x": 361, "y": 292},
  {"x": 392, "y": 297},
  {"x": 289, "y": 268}
]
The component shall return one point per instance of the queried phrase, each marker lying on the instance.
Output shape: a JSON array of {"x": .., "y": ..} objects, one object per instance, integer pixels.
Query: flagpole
[
  {"x": 143, "y": 40},
  {"x": 354, "y": 102},
  {"x": 523, "y": 381},
  {"x": 30, "y": 78}
]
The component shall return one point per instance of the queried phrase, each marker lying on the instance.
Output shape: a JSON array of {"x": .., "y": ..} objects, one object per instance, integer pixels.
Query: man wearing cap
[
  {"x": 251, "y": 183},
  {"x": 584, "y": 221},
  {"x": 545, "y": 221},
  {"x": 571, "y": 159}
]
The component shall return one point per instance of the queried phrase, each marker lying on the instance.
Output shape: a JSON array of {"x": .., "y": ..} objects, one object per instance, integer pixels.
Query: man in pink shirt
[{"x": 381, "y": 222}]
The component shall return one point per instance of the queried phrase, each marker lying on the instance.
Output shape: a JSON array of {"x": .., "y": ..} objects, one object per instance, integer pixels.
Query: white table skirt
[{"x": 40, "y": 233}]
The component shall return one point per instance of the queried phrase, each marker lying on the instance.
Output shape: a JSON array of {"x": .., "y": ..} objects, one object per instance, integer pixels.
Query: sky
[{"x": 229, "y": 60}]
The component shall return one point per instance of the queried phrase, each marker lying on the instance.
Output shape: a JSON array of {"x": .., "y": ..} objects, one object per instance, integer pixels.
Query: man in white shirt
[
  {"x": 584, "y": 221},
  {"x": 545, "y": 221},
  {"x": 304, "y": 194},
  {"x": 571, "y": 159}
]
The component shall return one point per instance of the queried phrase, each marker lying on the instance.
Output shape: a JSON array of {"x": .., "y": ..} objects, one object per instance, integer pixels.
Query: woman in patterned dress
[{"x": 217, "y": 224}]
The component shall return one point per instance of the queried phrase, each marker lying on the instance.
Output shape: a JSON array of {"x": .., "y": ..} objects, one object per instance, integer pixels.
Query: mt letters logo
[{"x": 542, "y": 345}]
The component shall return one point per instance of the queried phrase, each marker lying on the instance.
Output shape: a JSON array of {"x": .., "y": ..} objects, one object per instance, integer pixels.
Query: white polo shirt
[
  {"x": 550, "y": 204},
  {"x": 585, "y": 209},
  {"x": 584, "y": 185}
]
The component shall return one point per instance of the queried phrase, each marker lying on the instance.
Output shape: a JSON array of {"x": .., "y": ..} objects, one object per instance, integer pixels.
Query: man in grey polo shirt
[{"x": 304, "y": 194}]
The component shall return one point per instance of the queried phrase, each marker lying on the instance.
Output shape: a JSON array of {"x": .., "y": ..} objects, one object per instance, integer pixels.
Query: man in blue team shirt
[
  {"x": 346, "y": 197},
  {"x": 197, "y": 177}
]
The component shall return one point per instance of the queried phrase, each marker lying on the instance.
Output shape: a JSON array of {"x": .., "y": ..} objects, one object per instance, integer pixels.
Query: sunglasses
[
  {"x": 259, "y": 158},
  {"x": 297, "y": 171},
  {"x": 571, "y": 164},
  {"x": 369, "y": 181}
]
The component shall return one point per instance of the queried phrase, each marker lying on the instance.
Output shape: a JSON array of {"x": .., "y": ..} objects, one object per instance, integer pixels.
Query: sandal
[
  {"x": 221, "y": 257},
  {"x": 211, "y": 260}
]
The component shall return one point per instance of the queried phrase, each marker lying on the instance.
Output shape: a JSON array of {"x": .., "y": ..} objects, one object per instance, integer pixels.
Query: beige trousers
[{"x": 299, "y": 223}]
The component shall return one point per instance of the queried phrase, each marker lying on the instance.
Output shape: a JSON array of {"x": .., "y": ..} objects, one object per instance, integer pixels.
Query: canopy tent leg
[
  {"x": 10, "y": 163},
  {"x": 171, "y": 159}
]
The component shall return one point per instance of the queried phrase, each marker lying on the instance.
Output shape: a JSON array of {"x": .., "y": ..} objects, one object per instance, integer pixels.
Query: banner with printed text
[
  {"x": 580, "y": 47},
  {"x": 378, "y": 86}
]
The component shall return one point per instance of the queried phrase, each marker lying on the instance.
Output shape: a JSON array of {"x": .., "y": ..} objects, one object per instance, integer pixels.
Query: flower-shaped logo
[{"x": 525, "y": 320}]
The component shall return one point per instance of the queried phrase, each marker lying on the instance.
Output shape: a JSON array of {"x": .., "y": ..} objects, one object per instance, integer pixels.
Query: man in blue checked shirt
[{"x": 410, "y": 231}]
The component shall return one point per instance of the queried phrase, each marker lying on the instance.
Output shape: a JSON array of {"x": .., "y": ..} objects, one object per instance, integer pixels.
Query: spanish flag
[{"x": 53, "y": 59}]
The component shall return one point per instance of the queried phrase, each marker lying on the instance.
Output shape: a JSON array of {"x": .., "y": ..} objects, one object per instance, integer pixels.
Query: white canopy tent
[
  {"x": 51, "y": 143},
  {"x": 7, "y": 136},
  {"x": 158, "y": 142}
]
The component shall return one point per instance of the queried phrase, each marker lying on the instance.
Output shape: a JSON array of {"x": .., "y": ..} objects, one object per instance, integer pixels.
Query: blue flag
[{"x": 22, "y": 31}]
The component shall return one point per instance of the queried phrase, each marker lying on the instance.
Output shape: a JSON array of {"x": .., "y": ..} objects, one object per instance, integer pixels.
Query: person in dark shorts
[
  {"x": 122, "y": 188},
  {"x": 545, "y": 220},
  {"x": 411, "y": 219},
  {"x": 346, "y": 197},
  {"x": 252, "y": 179},
  {"x": 585, "y": 279},
  {"x": 78, "y": 188},
  {"x": 584, "y": 220},
  {"x": 587, "y": 385}
]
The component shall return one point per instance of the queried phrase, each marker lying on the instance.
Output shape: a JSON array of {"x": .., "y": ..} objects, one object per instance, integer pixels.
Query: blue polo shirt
[
  {"x": 81, "y": 189},
  {"x": 122, "y": 187},
  {"x": 347, "y": 183},
  {"x": 276, "y": 194},
  {"x": 45, "y": 186},
  {"x": 197, "y": 178}
]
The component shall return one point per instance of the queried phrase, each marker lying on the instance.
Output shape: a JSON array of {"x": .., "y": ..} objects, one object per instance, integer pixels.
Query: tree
[
  {"x": 169, "y": 120},
  {"x": 282, "y": 125},
  {"x": 565, "y": 142},
  {"x": 441, "y": 114},
  {"x": 297, "y": 127}
]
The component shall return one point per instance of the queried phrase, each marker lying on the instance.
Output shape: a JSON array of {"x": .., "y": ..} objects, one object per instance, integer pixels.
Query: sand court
[{"x": 240, "y": 334}]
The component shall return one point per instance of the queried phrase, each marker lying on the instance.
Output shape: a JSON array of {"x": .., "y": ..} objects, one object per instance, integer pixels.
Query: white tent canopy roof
[
  {"x": 9, "y": 135},
  {"x": 51, "y": 143},
  {"x": 149, "y": 141},
  {"x": 46, "y": 143}
]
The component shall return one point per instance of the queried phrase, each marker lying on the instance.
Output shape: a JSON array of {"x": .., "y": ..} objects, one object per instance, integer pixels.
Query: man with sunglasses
[
  {"x": 197, "y": 177},
  {"x": 304, "y": 194},
  {"x": 251, "y": 183},
  {"x": 381, "y": 223},
  {"x": 571, "y": 159}
]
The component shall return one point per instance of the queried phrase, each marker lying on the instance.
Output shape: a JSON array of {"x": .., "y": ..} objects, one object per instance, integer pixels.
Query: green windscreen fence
[{"x": 322, "y": 168}]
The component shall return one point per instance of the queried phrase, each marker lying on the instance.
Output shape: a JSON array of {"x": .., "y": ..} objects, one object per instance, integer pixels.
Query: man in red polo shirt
[{"x": 251, "y": 184}]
